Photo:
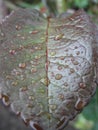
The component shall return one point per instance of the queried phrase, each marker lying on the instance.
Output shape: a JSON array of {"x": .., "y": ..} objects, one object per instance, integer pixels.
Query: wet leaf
[{"x": 47, "y": 66}]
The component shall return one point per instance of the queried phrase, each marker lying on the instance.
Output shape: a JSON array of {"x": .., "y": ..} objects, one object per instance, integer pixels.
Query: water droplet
[
  {"x": 80, "y": 104},
  {"x": 72, "y": 70},
  {"x": 31, "y": 97},
  {"x": 62, "y": 58},
  {"x": 35, "y": 126},
  {"x": 60, "y": 67},
  {"x": 5, "y": 100},
  {"x": 82, "y": 85},
  {"x": 29, "y": 105},
  {"x": 42, "y": 90},
  {"x": 23, "y": 38},
  {"x": 34, "y": 70},
  {"x": 2, "y": 34},
  {"x": 61, "y": 96},
  {"x": 36, "y": 47},
  {"x": 16, "y": 72},
  {"x": 33, "y": 32},
  {"x": 58, "y": 76},
  {"x": 53, "y": 107},
  {"x": 22, "y": 77},
  {"x": 45, "y": 81},
  {"x": 21, "y": 47},
  {"x": 18, "y": 35},
  {"x": 18, "y": 27},
  {"x": 32, "y": 62},
  {"x": 75, "y": 62},
  {"x": 12, "y": 52},
  {"x": 66, "y": 66},
  {"x": 22, "y": 65},
  {"x": 59, "y": 36},
  {"x": 8, "y": 77},
  {"x": 42, "y": 38},
  {"x": 66, "y": 84},
  {"x": 78, "y": 52},
  {"x": 37, "y": 57},
  {"x": 14, "y": 83},
  {"x": 52, "y": 53},
  {"x": 24, "y": 88}
]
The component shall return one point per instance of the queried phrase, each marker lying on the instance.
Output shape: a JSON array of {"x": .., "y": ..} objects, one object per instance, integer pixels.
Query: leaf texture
[{"x": 47, "y": 67}]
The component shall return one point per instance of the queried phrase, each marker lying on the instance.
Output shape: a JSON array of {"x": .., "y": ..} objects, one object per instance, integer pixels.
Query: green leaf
[
  {"x": 95, "y": 126},
  {"x": 91, "y": 111},
  {"x": 81, "y": 3}
]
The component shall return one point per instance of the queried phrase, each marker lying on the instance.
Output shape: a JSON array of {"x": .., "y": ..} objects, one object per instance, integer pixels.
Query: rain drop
[
  {"x": 58, "y": 76},
  {"x": 80, "y": 104},
  {"x": 22, "y": 65},
  {"x": 82, "y": 85},
  {"x": 72, "y": 70},
  {"x": 59, "y": 36},
  {"x": 33, "y": 32},
  {"x": 18, "y": 27},
  {"x": 53, "y": 53},
  {"x": 12, "y": 52},
  {"x": 53, "y": 107},
  {"x": 34, "y": 70}
]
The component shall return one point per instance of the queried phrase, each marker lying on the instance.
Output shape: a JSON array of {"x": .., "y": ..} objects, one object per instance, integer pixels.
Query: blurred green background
[
  {"x": 88, "y": 119},
  {"x": 54, "y": 6}
]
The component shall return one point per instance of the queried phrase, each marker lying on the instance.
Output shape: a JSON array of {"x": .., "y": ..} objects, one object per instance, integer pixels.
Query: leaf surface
[{"x": 46, "y": 67}]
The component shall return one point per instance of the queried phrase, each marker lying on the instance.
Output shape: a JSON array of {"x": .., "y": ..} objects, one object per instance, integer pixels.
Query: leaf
[
  {"x": 81, "y": 4},
  {"x": 46, "y": 67}
]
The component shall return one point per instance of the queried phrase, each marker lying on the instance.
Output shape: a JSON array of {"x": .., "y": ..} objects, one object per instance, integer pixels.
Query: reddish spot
[
  {"x": 46, "y": 66},
  {"x": 43, "y": 9},
  {"x": 61, "y": 122},
  {"x": 37, "y": 127}
]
